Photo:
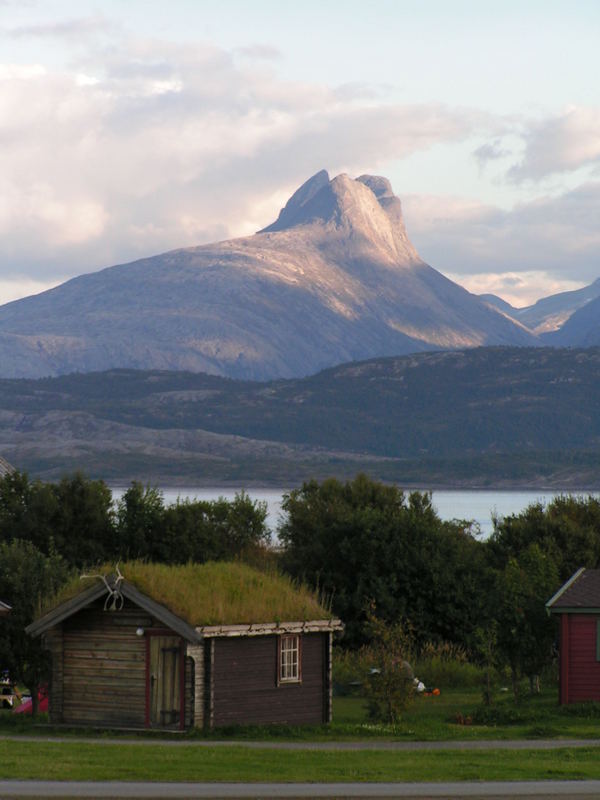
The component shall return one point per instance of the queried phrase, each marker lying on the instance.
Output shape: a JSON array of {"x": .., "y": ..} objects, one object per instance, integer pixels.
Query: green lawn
[
  {"x": 156, "y": 762},
  {"x": 459, "y": 714},
  {"x": 429, "y": 718},
  {"x": 453, "y": 715}
]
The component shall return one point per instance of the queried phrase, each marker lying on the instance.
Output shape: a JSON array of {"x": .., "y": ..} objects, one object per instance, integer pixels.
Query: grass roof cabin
[{"x": 200, "y": 645}]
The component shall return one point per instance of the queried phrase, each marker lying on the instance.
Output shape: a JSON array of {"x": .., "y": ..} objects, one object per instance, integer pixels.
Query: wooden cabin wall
[
  {"x": 581, "y": 648},
  {"x": 53, "y": 642},
  {"x": 244, "y": 682},
  {"x": 104, "y": 667}
]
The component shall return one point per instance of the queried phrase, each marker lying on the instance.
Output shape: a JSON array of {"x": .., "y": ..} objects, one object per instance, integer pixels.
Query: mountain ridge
[
  {"x": 335, "y": 278},
  {"x": 549, "y": 315}
]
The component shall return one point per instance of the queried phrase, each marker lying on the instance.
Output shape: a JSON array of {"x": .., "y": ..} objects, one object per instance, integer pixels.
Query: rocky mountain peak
[
  {"x": 365, "y": 207},
  {"x": 334, "y": 279},
  {"x": 379, "y": 185}
]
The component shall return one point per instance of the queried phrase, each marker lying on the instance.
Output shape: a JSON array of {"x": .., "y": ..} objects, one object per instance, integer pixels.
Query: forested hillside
[{"x": 486, "y": 415}]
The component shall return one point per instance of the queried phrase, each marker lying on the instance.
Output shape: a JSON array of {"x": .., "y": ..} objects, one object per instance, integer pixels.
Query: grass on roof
[{"x": 215, "y": 593}]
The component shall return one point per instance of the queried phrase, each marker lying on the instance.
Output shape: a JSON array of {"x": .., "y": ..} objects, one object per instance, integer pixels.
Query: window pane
[{"x": 289, "y": 658}]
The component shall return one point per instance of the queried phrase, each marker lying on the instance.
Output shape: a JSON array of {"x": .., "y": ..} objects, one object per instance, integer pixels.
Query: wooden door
[{"x": 165, "y": 681}]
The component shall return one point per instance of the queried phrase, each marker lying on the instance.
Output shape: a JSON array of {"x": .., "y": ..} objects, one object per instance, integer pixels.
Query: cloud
[
  {"x": 518, "y": 289},
  {"x": 150, "y": 146},
  {"x": 146, "y": 145},
  {"x": 74, "y": 29},
  {"x": 549, "y": 242},
  {"x": 260, "y": 52},
  {"x": 559, "y": 144},
  {"x": 491, "y": 151}
]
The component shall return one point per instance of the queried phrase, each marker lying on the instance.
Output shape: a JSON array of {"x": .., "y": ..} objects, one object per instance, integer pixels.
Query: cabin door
[{"x": 165, "y": 661}]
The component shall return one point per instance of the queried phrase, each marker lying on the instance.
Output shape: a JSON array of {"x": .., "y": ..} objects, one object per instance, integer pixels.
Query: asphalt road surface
[{"x": 557, "y": 790}]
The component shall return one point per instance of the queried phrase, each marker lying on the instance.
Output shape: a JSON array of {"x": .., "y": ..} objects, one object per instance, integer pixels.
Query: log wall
[
  {"x": 244, "y": 688},
  {"x": 53, "y": 641},
  {"x": 104, "y": 667}
]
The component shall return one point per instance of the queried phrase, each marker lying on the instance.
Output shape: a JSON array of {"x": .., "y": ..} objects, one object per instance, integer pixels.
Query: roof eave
[
  {"x": 271, "y": 628},
  {"x": 574, "y": 610},
  {"x": 66, "y": 609},
  {"x": 128, "y": 590}
]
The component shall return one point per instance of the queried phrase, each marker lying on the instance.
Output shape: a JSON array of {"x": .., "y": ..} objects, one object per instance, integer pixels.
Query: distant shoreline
[{"x": 505, "y": 486}]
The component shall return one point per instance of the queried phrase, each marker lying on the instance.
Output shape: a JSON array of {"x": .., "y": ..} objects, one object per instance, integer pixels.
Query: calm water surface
[{"x": 450, "y": 504}]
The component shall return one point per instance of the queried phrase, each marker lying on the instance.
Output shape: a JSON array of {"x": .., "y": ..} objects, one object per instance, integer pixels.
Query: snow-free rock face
[
  {"x": 334, "y": 279},
  {"x": 582, "y": 329},
  {"x": 549, "y": 316}
]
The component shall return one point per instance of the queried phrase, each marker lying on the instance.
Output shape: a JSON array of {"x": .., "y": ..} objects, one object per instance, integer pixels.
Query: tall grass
[
  {"x": 215, "y": 593},
  {"x": 445, "y": 664},
  {"x": 442, "y": 665}
]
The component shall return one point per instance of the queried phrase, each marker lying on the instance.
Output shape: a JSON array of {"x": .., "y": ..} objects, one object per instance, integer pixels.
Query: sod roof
[{"x": 215, "y": 593}]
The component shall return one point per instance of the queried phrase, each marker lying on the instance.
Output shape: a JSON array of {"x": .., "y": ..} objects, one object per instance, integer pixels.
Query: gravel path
[{"x": 475, "y": 744}]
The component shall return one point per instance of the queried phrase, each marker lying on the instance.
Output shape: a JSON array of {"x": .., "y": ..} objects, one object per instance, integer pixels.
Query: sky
[{"x": 132, "y": 128}]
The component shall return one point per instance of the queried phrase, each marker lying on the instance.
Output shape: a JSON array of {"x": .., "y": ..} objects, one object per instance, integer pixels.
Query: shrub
[{"x": 389, "y": 686}]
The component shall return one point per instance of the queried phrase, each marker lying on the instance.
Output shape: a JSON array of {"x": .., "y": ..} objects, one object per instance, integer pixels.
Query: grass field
[
  {"x": 428, "y": 719},
  {"x": 455, "y": 714},
  {"x": 458, "y": 714},
  {"x": 156, "y": 762}
]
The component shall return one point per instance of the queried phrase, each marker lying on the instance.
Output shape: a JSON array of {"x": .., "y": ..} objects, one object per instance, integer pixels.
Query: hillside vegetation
[{"x": 481, "y": 416}]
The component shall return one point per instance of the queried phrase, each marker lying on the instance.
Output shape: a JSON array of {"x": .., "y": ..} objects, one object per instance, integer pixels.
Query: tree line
[{"x": 369, "y": 547}]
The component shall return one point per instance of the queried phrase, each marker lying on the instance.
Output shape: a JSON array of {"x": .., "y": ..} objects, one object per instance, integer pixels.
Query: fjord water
[{"x": 476, "y": 505}]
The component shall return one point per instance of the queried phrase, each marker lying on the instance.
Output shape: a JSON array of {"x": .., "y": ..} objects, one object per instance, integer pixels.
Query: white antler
[{"x": 114, "y": 599}]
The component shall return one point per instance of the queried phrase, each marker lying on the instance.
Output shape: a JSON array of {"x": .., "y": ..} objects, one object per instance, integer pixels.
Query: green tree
[
  {"x": 188, "y": 530},
  {"x": 363, "y": 541},
  {"x": 27, "y": 578},
  {"x": 567, "y": 530},
  {"x": 83, "y": 522},
  {"x": 140, "y": 524},
  {"x": 73, "y": 517},
  {"x": 214, "y": 530},
  {"x": 525, "y": 633}
]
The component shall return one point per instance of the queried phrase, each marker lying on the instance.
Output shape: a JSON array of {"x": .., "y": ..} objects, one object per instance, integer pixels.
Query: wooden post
[
  {"x": 196, "y": 653},
  {"x": 329, "y": 714}
]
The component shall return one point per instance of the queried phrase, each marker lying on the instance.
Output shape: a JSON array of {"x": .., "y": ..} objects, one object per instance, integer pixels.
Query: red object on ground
[{"x": 26, "y": 705}]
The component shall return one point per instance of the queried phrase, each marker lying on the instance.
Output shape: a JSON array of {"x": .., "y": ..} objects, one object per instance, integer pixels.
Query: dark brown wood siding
[
  {"x": 583, "y": 667},
  {"x": 104, "y": 667},
  {"x": 244, "y": 682},
  {"x": 53, "y": 641}
]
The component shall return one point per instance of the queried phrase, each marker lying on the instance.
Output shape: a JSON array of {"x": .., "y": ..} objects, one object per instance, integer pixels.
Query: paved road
[
  {"x": 476, "y": 744},
  {"x": 557, "y": 790}
]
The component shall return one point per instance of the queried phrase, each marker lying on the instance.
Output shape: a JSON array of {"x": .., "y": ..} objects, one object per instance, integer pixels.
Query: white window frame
[{"x": 289, "y": 667}]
